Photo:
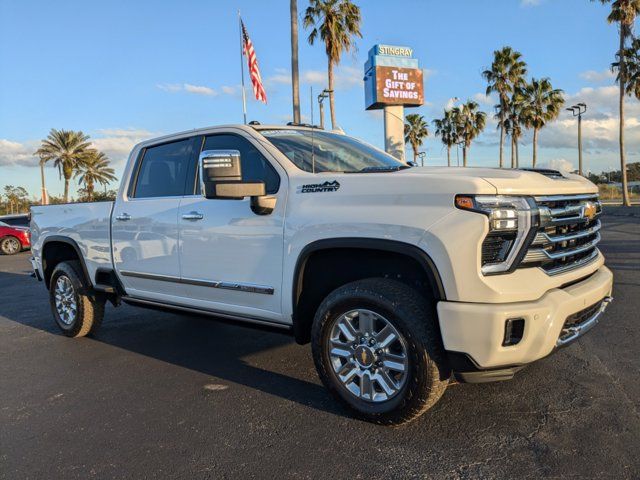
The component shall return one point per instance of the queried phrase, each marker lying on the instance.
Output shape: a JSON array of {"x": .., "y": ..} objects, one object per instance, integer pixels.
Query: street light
[
  {"x": 324, "y": 94},
  {"x": 577, "y": 110},
  {"x": 421, "y": 156}
]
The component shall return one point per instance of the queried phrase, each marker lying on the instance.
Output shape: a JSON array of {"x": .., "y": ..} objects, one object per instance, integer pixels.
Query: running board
[{"x": 139, "y": 302}]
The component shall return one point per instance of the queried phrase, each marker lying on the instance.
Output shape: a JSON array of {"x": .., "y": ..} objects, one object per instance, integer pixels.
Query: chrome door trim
[
  {"x": 172, "y": 306},
  {"x": 240, "y": 287}
]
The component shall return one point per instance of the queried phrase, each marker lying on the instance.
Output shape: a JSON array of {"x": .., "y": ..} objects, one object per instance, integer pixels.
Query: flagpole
[{"x": 244, "y": 96}]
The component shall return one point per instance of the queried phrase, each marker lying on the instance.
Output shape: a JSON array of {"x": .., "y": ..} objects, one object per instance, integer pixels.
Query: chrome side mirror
[{"x": 221, "y": 176}]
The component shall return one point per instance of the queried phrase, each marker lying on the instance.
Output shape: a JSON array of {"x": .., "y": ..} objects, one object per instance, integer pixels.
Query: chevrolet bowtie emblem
[
  {"x": 589, "y": 210},
  {"x": 364, "y": 357}
]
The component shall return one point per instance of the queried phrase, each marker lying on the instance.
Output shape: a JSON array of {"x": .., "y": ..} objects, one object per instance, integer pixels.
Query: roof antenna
[{"x": 313, "y": 153}]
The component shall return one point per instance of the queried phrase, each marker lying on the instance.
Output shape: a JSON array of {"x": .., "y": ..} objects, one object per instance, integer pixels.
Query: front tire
[
  {"x": 378, "y": 350},
  {"x": 76, "y": 313},
  {"x": 10, "y": 245}
]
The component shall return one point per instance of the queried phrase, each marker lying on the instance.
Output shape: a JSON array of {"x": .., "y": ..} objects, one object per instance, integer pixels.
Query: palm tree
[
  {"x": 336, "y": 22},
  {"x": 94, "y": 168},
  {"x": 511, "y": 121},
  {"x": 470, "y": 122},
  {"x": 632, "y": 64},
  {"x": 504, "y": 77},
  {"x": 295, "y": 83},
  {"x": 43, "y": 200},
  {"x": 542, "y": 104},
  {"x": 623, "y": 12},
  {"x": 415, "y": 131},
  {"x": 66, "y": 149},
  {"x": 446, "y": 130}
]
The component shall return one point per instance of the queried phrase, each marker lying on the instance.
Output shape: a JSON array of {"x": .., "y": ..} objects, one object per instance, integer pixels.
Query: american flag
[{"x": 254, "y": 71}]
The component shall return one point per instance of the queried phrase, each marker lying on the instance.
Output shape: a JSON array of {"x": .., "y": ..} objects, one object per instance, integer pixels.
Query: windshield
[{"x": 318, "y": 151}]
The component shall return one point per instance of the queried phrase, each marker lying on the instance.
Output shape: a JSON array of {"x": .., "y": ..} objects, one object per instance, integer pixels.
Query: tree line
[
  {"x": 521, "y": 105},
  {"x": 533, "y": 104},
  {"x": 14, "y": 200}
]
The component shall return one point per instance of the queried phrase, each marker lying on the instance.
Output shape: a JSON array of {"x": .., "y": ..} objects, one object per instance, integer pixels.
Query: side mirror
[{"x": 221, "y": 176}]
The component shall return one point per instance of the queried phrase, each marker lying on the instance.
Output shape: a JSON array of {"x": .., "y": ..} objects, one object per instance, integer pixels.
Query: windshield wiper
[{"x": 383, "y": 169}]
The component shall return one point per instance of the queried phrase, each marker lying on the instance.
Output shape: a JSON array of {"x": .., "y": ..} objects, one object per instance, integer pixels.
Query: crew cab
[{"x": 402, "y": 278}]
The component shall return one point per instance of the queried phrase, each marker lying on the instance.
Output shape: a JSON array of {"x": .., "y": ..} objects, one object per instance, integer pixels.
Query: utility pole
[
  {"x": 577, "y": 111},
  {"x": 324, "y": 94}
]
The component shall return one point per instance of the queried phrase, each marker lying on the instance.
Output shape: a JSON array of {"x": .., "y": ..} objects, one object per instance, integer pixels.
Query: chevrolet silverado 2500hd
[{"x": 402, "y": 278}]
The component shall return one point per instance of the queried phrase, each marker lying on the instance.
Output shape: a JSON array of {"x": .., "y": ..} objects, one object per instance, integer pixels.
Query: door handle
[
  {"x": 193, "y": 216},
  {"x": 123, "y": 217}
]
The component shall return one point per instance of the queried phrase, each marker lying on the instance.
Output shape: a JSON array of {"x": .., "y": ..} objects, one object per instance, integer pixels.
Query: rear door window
[{"x": 163, "y": 170}]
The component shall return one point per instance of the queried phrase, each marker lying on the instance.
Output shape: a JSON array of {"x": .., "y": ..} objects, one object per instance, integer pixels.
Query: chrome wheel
[
  {"x": 65, "y": 299},
  {"x": 368, "y": 355},
  {"x": 10, "y": 246}
]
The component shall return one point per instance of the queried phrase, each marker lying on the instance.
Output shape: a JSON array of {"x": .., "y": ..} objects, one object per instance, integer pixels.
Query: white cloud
[
  {"x": 594, "y": 76},
  {"x": 169, "y": 87},
  {"x": 451, "y": 103},
  {"x": 199, "y": 89},
  {"x": 485, "y": 100},
  {"x": 187, "y": 87},
  {"x": 117, "y": 143},
  {"x": 599, "y": 124},
  {"x": 18, "y": 154},
  {"x": 560, "y": 164},
  {"x": 227, "y": 90}
]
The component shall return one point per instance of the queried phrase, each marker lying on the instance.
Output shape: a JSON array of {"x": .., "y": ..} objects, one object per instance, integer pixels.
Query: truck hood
[{"x": 514, "y": 181}]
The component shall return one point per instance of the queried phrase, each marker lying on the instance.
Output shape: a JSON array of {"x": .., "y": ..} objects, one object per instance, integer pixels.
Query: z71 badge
[{"x": 319, "y": 187}]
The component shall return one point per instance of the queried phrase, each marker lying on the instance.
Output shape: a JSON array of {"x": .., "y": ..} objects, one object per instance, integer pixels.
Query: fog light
[{"x": 513, "y": 331}]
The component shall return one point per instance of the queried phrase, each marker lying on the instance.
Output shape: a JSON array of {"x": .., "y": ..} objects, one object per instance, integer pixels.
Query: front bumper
[{"x": 476, "y": 331}]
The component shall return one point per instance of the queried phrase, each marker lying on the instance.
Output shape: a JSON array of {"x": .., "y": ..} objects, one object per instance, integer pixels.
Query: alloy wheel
[
  {"x": 10, "y": 246},
  {"x": 368, "y": 355},
  {"x": 65, "y": 299}
]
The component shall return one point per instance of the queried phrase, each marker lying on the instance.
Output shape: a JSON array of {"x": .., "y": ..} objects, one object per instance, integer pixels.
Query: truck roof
[{"x": 249, "y": 127}]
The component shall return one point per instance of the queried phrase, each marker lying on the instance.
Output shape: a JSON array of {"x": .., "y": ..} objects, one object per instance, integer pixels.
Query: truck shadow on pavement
[{"x": 262, "y": 360}]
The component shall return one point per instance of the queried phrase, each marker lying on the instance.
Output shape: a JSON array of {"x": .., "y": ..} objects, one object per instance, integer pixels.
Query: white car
[{"x": 401, "y": 277}]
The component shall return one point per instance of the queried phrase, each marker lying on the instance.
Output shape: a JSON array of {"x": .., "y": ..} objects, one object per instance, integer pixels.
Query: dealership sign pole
[{"x": 392, "y": 81}]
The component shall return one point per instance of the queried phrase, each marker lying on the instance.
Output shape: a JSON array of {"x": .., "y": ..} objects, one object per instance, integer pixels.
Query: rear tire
[
  {"x": 10, "y": 245},
  {"x": 76, "y": 312},
  {"x": 418, "y": 373}
]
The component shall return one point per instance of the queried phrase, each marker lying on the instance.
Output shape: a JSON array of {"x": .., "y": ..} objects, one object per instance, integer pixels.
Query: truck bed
[{"x": 87, "y": 224}]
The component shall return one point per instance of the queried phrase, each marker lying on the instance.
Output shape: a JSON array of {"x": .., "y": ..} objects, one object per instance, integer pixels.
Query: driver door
[{"x": 230, "y": 256}]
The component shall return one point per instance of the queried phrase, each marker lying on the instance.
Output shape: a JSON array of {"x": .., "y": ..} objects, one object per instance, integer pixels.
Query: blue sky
[{"x": 123, "y": 71}]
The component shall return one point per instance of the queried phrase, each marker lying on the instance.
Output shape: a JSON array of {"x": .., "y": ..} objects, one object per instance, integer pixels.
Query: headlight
[{"x": 510, "y": 220}]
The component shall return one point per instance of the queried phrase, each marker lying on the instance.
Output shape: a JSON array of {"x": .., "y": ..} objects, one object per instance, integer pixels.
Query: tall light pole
[
  {"x": 577, "y": 110},
  {"x": 324, "y": 94},
  {"x": 421, "y": 156}
]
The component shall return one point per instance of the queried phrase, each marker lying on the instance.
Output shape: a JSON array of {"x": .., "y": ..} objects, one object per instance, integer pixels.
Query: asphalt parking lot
[{"x": 157, "y": 395}]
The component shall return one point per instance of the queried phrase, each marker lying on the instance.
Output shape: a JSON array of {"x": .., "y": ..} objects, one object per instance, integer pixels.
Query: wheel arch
[
  {"x": 58, "y": 248},
  {"x": 356, "y": 247}
]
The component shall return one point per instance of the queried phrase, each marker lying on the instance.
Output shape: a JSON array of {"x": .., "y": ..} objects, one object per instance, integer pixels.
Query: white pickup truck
[{"x": 402, "y": 278}]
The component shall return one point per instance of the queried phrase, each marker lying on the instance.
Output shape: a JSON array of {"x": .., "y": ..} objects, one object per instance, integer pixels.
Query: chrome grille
[{"x": 568, "y": 234}]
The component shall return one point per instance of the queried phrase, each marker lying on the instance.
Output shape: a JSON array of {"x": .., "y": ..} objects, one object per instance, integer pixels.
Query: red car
[{"x": 13, "y": 239}]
